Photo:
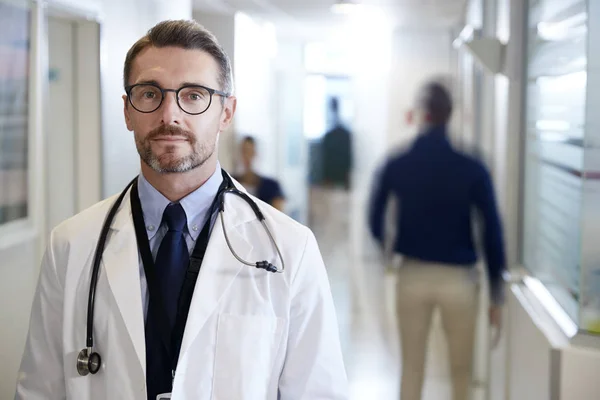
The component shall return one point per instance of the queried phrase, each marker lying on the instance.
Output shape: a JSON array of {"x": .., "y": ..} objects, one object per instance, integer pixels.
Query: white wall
[
  {"x": 530, "y": 374},
  {"x": 544, "y": 365},
  {"x": 88, "y": 109},
  {"x": 292, "y": 152},
  {"x": 60, "y": 123},
  {"x": 123, "y": 22},
  {"x": 579, "y": 374},
  {"x": 255, "y": 52},
  {"x": 18, "y": 275}
]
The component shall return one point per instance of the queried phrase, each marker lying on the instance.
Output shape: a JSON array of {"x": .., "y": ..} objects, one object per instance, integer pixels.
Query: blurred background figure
[
  {"x": 331, "y": 161},
  {"x": 337, "y": 151},
  {"x": 266, "y": 189},
  {"x": 436, "y": 189}
]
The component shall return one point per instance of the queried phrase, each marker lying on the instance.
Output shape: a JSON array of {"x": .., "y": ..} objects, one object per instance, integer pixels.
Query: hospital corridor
[{"x": 299, "y": 199}]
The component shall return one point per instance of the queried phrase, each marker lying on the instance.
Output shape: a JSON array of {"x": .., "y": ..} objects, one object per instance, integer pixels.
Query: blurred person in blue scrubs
[
  {"x": 266, "y": 189},
  {"x": 436, "y": 189}
]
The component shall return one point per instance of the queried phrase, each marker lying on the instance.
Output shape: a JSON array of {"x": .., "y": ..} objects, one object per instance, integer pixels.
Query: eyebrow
[
  {"x": 194, "y": 84},
  {"x": 154, "y": 82},
  {"x": 148, "y": 82}
]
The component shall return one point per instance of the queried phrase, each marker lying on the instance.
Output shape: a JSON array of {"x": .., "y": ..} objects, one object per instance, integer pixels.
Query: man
[
  {"x": 436, "y": 189},
  {"x": 266, "y": 189},
  {"x": 250, "y": 333}
]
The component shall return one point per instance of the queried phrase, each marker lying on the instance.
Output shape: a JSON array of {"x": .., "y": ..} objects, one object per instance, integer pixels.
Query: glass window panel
[
  {"x": 554, "y": 158},
  {"x": 14, "y": 88}
]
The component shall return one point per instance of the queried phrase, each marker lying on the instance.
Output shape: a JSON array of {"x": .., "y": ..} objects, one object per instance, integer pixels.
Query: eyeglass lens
[{"x": 191, "y": 99}]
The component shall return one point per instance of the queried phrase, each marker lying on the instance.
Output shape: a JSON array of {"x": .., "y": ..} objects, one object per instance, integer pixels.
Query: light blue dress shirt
[{"x": 196, "y": 206}]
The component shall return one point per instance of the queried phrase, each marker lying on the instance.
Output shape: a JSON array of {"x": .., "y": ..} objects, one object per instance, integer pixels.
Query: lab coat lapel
[
  {"x": 220, "y": 267},
  {"x": 121, "y": 263}
]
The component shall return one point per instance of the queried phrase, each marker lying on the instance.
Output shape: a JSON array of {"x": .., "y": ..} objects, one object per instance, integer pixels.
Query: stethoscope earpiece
[{"x": 88, "y": 361}]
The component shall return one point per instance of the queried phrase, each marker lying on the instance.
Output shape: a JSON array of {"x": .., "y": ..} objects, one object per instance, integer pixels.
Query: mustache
[{"x": 170, "y": 130}]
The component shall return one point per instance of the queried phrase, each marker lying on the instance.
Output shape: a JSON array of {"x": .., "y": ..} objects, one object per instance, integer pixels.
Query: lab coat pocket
[{"x": 245, "y": 351}]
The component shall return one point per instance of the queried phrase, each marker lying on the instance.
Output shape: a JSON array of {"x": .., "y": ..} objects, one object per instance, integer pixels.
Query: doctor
[{"x": 249, "y": 333}]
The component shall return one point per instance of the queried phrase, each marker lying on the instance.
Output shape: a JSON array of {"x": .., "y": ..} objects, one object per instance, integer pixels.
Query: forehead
[{"x": 170, "y": 67}]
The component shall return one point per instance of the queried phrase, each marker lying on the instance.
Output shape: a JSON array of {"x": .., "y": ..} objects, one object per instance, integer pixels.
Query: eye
[
  {"x": 195, "y": 96},
  {"x": 149, "y": 95}
]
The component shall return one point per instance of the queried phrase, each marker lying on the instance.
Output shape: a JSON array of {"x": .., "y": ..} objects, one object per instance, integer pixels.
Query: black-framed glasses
[{"x": 192, "y": 99}]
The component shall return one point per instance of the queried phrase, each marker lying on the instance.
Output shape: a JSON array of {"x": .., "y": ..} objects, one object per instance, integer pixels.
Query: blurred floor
[{"x": 364, "y": 295}]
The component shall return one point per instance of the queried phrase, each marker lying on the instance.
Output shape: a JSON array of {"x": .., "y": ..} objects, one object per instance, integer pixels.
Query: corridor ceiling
[{"x": 313, "y": 13}]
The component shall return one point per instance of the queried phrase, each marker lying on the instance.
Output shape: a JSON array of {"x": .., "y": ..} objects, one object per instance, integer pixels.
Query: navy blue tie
[
  {"x": 172, "y": 259},
  {"x": 170, "y": 265}
]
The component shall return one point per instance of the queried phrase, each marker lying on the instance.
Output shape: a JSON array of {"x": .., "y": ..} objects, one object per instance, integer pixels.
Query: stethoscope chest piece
[{"x": 88, "y": 361}]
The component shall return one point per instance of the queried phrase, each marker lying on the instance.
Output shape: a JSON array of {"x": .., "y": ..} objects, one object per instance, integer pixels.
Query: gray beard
[{"x": 184, "y": 164}]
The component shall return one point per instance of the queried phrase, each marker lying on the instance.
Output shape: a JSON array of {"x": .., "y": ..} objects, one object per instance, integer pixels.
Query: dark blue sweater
[{"x": 437, "y": 189}]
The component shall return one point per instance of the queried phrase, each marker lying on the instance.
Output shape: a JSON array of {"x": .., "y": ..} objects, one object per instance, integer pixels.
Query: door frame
[{"x": 87, "y": 23}]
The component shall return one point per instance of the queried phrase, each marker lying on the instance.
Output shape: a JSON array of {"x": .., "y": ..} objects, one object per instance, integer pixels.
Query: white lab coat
[{"x": 250, "y": 334}]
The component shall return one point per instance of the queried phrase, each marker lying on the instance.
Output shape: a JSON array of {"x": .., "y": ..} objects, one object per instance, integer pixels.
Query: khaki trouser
[{"x": 422, "y": 287}]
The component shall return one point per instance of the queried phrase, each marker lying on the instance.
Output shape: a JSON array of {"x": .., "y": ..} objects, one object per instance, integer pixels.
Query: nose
[{"x": 169, "y": 110}]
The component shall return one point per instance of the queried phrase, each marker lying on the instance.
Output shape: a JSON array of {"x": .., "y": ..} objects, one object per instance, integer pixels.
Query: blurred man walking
[{"x": 437, "y": 189}]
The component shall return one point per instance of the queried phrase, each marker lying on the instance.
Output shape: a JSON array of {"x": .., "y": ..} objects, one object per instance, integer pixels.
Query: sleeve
[
  {"x": 276, "y": 191},
  {"x": 350, "y": 152},
  {"x": 314, "y": 367},
  {"x": 41, "y": 373},
  {"x": 270, "y": 191},
  {"x": 380, "y": 193},
  {"x": 493, "y": 243}
]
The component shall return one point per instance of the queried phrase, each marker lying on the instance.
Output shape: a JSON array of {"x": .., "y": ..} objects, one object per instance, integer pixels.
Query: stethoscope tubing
[
  {"x": 97, "y": 260},
  {"x": 87, "y": 360}
]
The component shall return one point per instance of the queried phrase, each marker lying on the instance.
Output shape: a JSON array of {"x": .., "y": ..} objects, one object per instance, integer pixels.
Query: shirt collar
[
  {"x": 195, "y": 204},
  {"x": 435, "y": 131},
  {"x": 433, "y": 135}
]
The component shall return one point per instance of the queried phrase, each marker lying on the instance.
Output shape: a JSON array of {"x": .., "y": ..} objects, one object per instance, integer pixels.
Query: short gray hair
[{"x": 188, "y": 35}]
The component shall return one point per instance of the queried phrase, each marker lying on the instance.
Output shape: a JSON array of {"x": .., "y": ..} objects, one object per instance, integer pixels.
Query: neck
[
  {"x": 429, "y": 127},
  {"x": 249, "y": 177},
  {"x": 248, "y": 172},
  {"x": 175, "y": 186}
]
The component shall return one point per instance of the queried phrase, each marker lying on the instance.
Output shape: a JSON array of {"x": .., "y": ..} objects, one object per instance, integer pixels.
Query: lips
[{"x": 170, "y": 139}]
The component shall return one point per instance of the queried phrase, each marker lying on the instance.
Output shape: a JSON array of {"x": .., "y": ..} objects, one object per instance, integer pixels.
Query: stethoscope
[{"x": 89, "y": 361}]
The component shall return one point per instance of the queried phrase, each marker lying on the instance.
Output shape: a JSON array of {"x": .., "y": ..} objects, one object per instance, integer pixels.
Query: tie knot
[{"x": 174, "y": 217}]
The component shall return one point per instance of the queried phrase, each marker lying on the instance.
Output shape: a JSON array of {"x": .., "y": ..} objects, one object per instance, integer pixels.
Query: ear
[
  {"x": 126, "y": 111},
  {"x": 228, "y": 112},
  {"x": 409, "y": 117}
]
